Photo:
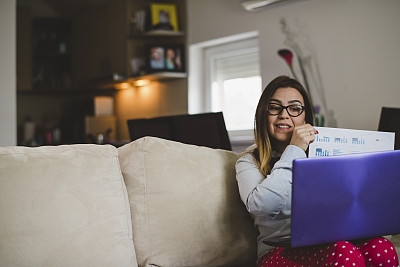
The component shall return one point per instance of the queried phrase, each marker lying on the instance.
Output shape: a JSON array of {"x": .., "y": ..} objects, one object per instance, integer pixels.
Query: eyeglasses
[{"x": 294, "y": 110}]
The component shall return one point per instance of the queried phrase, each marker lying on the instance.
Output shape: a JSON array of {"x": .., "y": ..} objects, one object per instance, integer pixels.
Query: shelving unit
[{"x": 141, "y": 41}]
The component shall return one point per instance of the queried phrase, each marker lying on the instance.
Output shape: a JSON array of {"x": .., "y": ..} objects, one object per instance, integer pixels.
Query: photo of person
[
  {"x": 170, "y": 60},
  {"x": 164, "y": 17},
  {"x": 165, "y": 58},
  {"x": 157, "y": 58},
  {"x": 178, "y": 60},
  {"x": 173, "y": 59},
  {"x": 163, "y": 21}
]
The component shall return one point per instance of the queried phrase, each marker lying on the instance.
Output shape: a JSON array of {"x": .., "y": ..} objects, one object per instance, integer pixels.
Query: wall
[
  {"x": 156, "y": 99},
  {"x": 354, "y": 43},
  {"x": 8, "y": 110}
]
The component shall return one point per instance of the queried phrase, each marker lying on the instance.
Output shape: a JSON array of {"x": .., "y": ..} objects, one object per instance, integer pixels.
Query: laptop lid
[{"x": 345, "y": 197}]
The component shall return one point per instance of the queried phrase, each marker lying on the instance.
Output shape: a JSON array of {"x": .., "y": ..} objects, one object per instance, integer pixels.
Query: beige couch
[{"x": 151, "y": 202}]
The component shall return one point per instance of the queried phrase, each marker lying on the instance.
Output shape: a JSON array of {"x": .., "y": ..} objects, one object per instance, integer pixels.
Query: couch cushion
[
  {"x": 185, "y": 206},
  {"x": 64, "y": 206}
]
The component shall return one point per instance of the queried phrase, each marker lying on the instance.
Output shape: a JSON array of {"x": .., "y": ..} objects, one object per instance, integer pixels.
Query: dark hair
[{"x": 263, "y": 150}]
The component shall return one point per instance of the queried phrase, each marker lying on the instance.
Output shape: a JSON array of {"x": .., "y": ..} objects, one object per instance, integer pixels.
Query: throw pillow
[
  {"x": 64, "y": 206},
  {"x": 185, "y": 205}
]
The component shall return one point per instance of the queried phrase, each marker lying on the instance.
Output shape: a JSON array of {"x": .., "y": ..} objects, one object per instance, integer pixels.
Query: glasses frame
[{"x": 286, "y": 107}]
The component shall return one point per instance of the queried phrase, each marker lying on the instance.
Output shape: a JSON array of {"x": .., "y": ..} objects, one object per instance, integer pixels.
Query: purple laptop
[{"x": 345, "y": 197}]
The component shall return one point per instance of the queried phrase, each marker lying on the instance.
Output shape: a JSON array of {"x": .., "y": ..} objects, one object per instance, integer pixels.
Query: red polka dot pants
[{"x": 373, "y": 252}]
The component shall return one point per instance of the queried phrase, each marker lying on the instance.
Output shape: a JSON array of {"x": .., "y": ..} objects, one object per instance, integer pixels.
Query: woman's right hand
[{"x": 303, "y": 136}]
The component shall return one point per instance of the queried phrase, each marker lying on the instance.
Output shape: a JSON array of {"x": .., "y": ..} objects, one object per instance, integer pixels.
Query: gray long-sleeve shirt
[{"x": 268, "y": 199}]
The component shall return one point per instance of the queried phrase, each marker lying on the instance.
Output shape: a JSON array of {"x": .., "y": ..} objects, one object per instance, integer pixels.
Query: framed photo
[
  {"x": 164, "y": 17},
  {"x": 166, "y": 58}
]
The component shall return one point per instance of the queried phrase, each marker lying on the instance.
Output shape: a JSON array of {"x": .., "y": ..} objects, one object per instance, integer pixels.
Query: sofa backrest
[
  {"x": 173, "y": 204},
  {"x": 185, "y": 205}
]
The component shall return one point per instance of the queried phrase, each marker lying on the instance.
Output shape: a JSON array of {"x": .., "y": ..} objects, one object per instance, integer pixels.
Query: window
[
  {"x": 225, "y": 76},
  {"x": 235, "y": 84}
]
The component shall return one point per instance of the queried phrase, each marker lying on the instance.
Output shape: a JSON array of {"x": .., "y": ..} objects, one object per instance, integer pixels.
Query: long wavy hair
[{"x": 263, "y": 148}]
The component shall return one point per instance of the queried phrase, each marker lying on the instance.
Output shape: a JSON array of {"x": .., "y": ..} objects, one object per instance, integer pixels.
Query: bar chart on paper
[{"x": 338, "y": 141}]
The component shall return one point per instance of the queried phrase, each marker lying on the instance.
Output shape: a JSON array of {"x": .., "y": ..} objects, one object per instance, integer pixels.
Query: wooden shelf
[
  {"x": 163, "y": 33},
  {"x": 157, "y": 33},
  {"x": 159, "y": 76}
]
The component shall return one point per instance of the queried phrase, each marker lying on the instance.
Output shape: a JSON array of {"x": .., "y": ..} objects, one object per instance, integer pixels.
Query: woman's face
[{"x": 280, "y": 127}]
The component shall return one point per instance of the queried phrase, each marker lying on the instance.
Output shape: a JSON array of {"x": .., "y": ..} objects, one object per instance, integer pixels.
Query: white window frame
[{"x": 200, "y": 76}]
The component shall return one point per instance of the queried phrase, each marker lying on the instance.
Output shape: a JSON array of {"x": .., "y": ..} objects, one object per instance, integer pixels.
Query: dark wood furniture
[{"x": 204, "y": 129}]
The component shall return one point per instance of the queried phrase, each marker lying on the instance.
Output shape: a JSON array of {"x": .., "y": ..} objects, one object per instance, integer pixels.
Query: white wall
[
  {"x": 8, "y": 110},
  {"x": 356, "y": 44}
]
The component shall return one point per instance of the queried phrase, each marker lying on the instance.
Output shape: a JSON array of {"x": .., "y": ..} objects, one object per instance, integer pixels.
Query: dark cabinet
[{"x": 51, "y": 57}]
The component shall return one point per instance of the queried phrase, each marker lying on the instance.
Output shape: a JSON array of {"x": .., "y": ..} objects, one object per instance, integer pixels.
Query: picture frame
[
  {"x": 168, "y": 58},
  {"x": 164, "y": 17}
]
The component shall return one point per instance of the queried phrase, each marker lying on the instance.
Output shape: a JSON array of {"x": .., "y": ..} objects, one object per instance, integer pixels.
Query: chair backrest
[
  {"x": 205, "y": 129},
  {"x": 390, "y": 122}
]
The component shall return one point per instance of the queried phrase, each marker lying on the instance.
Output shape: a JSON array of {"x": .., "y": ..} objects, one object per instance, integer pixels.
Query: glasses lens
[
  {"x": 274, "y": 109},
  {"x": 295, "y": 110}
]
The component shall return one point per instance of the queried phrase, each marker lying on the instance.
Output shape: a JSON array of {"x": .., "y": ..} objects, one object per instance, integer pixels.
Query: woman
[{"x": 283, "y": 131}]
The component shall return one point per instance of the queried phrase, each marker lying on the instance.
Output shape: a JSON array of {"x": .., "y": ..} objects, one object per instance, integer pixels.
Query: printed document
[{"x": 338, "y": 141}]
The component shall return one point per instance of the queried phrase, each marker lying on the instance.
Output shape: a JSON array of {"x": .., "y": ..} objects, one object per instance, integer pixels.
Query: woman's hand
[{"x": 303, "y": 135}]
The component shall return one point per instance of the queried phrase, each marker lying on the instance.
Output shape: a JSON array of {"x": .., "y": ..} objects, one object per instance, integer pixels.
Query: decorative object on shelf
[
  {"x": 138, "y": 23},
  {"x": 308, "y": 67},
  {"x": 164, "y": 17},
  {"x": 137, "y": 66},
  {"x": 165, "y": 58}
]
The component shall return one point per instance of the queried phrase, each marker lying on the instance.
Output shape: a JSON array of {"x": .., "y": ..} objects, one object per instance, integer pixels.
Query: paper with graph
[{"x": 338, "y": 141}]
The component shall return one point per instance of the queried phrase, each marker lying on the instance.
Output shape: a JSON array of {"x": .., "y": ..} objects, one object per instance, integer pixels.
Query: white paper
[{"x": 338, "y": 141}]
